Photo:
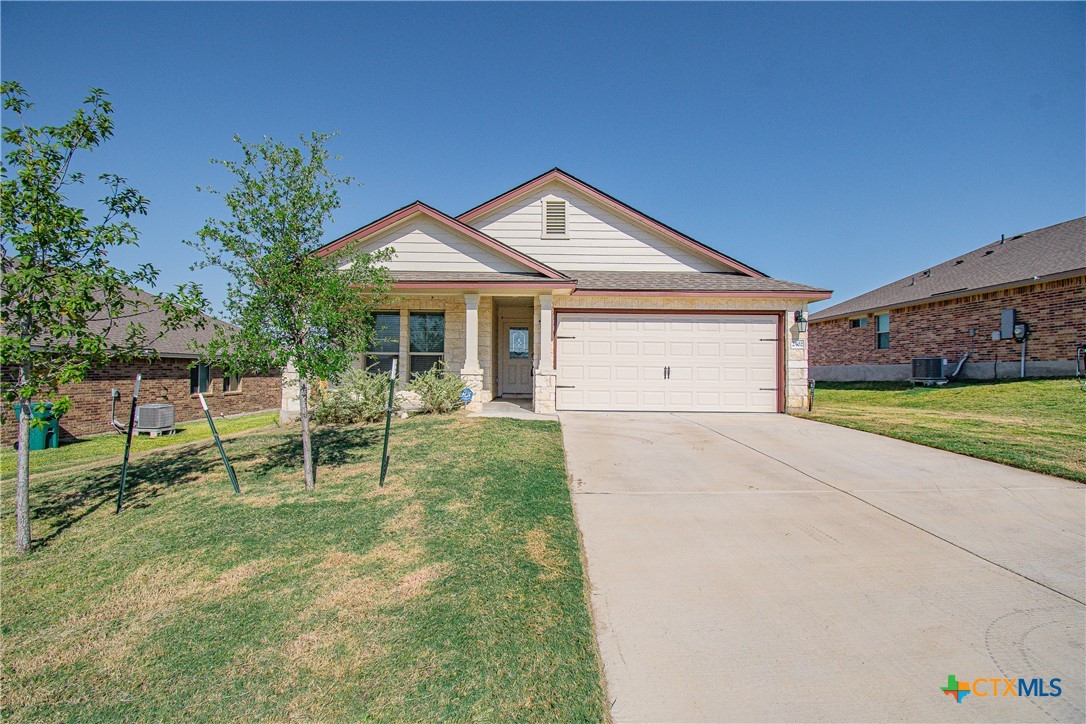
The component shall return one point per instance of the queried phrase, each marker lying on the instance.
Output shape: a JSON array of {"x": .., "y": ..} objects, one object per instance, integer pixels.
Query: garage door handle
[
  {"x": 769, "y": 339},
  {"x": 565, "y": 387},
  {"x": 768, "y": 389},
  {"x": 564, "y": 336}
]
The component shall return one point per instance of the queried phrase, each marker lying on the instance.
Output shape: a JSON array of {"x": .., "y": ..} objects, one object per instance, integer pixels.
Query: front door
[{"x": 515, "y": 358}]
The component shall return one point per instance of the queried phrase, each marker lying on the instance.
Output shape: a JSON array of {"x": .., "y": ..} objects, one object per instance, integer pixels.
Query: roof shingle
[{"x": 1049, "y": 252}]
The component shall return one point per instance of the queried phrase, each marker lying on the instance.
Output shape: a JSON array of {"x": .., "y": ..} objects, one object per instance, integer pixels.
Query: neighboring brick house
[
  {"x": 957, "y": 307},
  {"x": 169, "y": 377}
]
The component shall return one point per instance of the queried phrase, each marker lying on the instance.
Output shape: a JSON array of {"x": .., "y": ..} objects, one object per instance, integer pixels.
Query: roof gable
[
  {"x": 594, "y": 204},
  {"x": 425, "y": 239},
  {"x": 1047, "y": 253}
]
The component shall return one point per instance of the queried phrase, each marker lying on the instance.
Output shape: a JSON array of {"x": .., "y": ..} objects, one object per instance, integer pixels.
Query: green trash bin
[{"x": 43, "y": 436}]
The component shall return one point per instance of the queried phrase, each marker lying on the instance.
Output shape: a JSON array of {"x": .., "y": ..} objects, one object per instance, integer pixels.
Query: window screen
[
  {"x": 427, "y": 346},
  {"x": 386, "y": 342}
]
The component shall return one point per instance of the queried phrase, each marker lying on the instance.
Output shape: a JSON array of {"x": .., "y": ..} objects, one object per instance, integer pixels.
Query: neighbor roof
[
  {"x": 142, "y": 310},
  {"x": 1049, "y": 253}
]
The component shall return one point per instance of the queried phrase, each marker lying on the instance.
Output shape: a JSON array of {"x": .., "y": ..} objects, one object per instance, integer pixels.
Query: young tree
[
  {"x": 290, "y": 306},
  {"x": 63, "y": 306}
]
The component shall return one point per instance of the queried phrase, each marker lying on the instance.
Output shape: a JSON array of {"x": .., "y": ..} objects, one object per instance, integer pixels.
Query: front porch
[{"x": 501, "y": 345}]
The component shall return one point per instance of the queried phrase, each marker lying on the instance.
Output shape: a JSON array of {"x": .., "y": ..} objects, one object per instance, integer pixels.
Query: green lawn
[
  {"x": 111, "y": 446},
  {"x": 455, "y": 592},
  {"x": 1038, "y": 425}
]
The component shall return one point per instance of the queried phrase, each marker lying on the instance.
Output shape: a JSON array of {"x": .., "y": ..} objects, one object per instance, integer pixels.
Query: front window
[
  {"x": 386, "y": 342},
  {"x": 882, "y": 331},
  {"x": 427, "y": 340},
  {"x": 199, "y": 378}
]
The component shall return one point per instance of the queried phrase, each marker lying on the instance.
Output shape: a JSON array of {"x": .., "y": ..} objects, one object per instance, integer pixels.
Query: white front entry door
[{"x": 667, "y": 362}]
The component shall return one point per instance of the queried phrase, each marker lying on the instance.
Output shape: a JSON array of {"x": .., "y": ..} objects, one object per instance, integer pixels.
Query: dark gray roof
[
  {"x": 1050, "y": 252},
  {"x": 684, "y": 282},
  {"x": 172, "y": 343}
]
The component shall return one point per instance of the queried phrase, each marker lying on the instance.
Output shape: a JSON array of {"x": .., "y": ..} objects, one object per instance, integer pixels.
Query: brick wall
[
  {"x": 1055, "y": 311},
  {"x": 164, "y": 380}
]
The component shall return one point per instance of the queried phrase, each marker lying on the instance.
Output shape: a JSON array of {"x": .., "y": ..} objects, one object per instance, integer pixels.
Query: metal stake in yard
[
  {"x": 128, "y": 442},
  {"x": 388, "y": 421},
  {"x": 218, "y": 441}
]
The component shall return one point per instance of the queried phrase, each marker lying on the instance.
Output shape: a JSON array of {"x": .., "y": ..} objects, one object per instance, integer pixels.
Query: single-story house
[
  {"x": 968, "y": 304},
  {"x": 558, "y": 293},
  {"x": 170, "y": 375}
]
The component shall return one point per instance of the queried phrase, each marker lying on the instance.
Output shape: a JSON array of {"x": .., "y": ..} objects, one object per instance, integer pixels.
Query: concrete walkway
[
  {"x": 767, "y": 568},
  {"x": 518, "y": 409}
]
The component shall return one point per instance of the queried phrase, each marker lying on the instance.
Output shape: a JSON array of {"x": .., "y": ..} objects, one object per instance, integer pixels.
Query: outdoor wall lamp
[{"x": 801, "y": 321}]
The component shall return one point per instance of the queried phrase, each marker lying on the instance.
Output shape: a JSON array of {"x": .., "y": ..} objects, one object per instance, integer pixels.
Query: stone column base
[
  {"x": 473, "y": 380},
  {"x": 545, "y": 384}
]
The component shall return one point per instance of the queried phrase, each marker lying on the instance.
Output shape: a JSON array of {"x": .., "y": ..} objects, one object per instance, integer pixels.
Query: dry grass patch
[{"x": 541, "y": 553}]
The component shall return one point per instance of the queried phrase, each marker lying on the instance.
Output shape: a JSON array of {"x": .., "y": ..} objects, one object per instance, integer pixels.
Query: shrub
[
  {"x": 438, "y": 389},
  {"x": 358, "y": 396}
]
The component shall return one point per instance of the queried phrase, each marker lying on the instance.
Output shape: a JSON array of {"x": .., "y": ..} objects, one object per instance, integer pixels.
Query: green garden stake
[
  {"x": 388, "y": 421},
  {"x": 128, "y": 442},
  {"x": 215, "y": 434}
]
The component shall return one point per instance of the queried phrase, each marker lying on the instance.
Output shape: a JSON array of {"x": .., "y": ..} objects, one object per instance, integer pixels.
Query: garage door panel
[{"x": 617, "y": 361}]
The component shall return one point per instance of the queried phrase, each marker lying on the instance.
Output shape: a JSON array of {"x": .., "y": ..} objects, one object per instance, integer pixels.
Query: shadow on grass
[
  {"x": 63, "y": 502},
  {"x": 332, "y": 447}
]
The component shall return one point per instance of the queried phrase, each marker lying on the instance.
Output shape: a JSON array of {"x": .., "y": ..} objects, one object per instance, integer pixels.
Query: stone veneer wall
[
  {"x": 1055, "y": 311},
  {"x": 796, "y": 390},
  {"x": 164, "y": 380}
]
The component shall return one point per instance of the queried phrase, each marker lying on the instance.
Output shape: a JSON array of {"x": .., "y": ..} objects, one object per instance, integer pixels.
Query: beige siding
[
  {"x": 598, "y": 240},
  {"x": 423, "y": 245}
]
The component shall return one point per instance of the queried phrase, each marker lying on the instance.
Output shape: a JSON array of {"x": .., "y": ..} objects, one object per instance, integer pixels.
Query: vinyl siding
[
  {"x": 598, "y": 240},
  {"x": 423, "y": 245}
]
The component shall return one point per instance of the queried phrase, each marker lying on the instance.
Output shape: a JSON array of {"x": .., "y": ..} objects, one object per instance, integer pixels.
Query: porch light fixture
[{"x": 801, "y": 321}]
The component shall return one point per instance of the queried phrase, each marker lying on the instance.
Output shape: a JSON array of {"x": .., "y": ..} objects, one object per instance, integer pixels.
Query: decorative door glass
[{"x": 518, "y": 343}]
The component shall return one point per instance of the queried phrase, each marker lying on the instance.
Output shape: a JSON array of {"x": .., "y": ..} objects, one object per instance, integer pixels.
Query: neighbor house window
[
  {"x": 199, "y": 378},
  {"x": 858, "y": 323},
  {"x": 231, "y": 383},
  {"x": 882, "y": 331},
  {"x": 427, "y": 346},
  {"x": 386, "y": 342}
]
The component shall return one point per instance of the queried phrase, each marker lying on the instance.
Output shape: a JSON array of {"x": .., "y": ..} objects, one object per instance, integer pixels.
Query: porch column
[
  {"x": 546, "y": 331},
  {"x": 546, "y": 378},
  {"x": 472, "y": 373}
]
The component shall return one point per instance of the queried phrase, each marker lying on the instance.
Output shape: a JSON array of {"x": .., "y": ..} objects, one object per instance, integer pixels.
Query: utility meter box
[{"x": 1007, "y": 320}]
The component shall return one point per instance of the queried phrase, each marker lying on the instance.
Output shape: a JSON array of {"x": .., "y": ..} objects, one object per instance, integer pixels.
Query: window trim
[
  {"x": 857, "y": 322},
  {"x": 880, "y": 333}
]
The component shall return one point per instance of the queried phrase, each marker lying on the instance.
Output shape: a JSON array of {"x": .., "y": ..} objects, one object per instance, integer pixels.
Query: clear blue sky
[{"x": 841, "y": 145}]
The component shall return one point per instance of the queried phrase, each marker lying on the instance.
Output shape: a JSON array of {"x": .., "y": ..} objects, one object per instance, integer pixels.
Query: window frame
[
  {"x": 882, "y": 336},
  {"x": 857, "y": 323},
  {"x": 200, "y": 383},
  {"x": 235, "y": 388},
  {"x": 372, "y": 358},
  {"x": 439, "y": 357}
]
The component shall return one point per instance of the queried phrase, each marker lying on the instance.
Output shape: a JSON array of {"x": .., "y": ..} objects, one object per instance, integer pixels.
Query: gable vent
[{"x": 554, "y": 218}]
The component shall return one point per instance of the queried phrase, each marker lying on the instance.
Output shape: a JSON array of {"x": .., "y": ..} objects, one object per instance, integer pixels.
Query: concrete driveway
[{"x": 767, "y": 568}]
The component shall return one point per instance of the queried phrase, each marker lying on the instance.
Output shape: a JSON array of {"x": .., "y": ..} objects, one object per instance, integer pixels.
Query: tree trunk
[
  {"x": 307, "y": 444},
  {"x": 22, "y": 485}
]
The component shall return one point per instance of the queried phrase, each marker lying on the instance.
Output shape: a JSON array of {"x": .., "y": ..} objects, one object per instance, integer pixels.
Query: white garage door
[{"x": 719, "y": 363}]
